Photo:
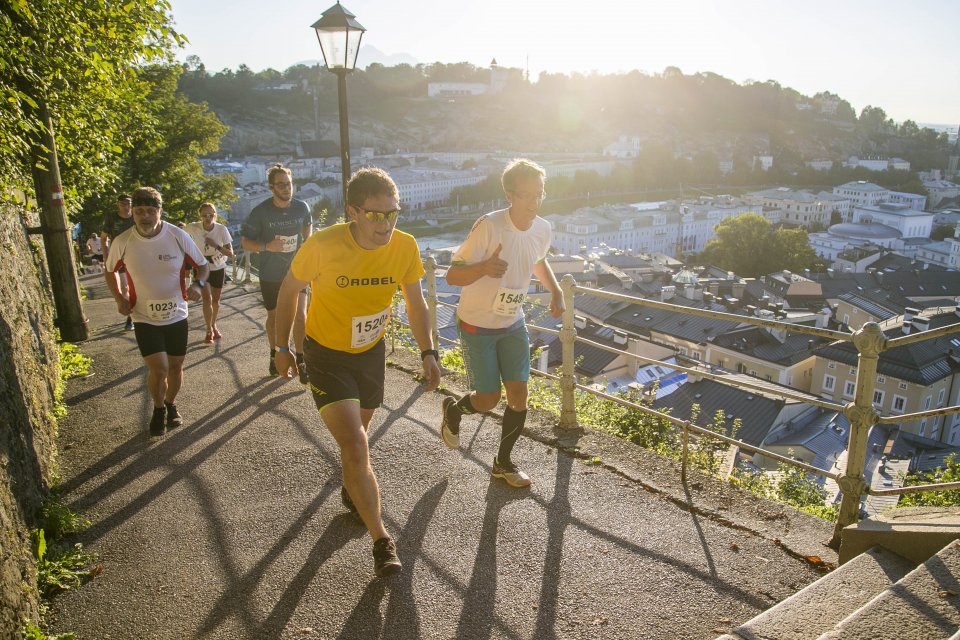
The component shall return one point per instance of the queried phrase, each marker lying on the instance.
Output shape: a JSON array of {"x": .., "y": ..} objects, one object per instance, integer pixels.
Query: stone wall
[{"x": 28, "y": 379}]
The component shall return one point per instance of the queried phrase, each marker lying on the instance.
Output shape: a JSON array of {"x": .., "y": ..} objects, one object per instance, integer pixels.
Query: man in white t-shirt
[
  {"x": 217, "y": 245},
  {"x": 494, "y": 266},
  {"x": 156, "y": 256}
]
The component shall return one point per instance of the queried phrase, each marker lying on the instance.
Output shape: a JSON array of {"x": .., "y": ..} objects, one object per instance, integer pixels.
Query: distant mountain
[{"x": 369, "y": 55}]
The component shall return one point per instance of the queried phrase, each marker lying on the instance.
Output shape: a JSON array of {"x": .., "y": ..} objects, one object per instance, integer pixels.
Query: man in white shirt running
[
  {"x": 493, "y": 266},
  {"x": 157, "y": 256}
]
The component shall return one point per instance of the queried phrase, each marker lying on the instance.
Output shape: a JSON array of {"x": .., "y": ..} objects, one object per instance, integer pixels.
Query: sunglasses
[{"x": 380, "y": 216}]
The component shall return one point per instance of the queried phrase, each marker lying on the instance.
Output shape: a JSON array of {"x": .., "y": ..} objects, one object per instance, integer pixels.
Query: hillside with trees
[{"x": 701, "y": 118}]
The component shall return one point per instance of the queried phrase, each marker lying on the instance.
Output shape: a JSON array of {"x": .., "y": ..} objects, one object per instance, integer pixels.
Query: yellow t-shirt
[{"x": 352, "y": 286}]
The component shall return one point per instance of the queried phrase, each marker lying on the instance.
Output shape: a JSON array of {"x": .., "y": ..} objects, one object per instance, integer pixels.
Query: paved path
[{"x": 231, "y": 526}]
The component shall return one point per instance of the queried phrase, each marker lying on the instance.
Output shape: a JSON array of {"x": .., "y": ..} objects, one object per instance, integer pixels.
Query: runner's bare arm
[{"x": 419, "y": 318}]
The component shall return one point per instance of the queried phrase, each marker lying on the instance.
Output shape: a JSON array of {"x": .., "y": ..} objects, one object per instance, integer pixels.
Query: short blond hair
[{"x": 519, "y": 169}]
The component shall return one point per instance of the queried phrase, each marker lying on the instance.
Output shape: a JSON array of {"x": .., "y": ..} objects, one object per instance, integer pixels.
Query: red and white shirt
[{"x": 156, "y": 272}]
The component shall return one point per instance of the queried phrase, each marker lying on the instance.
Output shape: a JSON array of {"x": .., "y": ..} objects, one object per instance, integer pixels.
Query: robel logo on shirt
[
  {"x": 343, "y": 281},
  {"x": 166, "y": 257}
]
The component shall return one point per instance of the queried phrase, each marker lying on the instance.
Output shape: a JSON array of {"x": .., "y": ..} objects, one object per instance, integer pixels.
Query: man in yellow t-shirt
[{"x": 354, "y": 269}]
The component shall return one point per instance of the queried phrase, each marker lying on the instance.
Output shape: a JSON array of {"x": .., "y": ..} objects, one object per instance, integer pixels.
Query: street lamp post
[{"x": 339, "y": 34}]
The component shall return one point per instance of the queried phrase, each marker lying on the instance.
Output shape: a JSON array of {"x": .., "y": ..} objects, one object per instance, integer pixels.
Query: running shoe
[
  {"x": 385, "y": 560},
  {"x": 273, "y": 368},
  {"x": 128, "y": 325},
  {"x": 174, "y": 419},
  {"x": 510, "y": 474},
  {"x": 156, "y": 422},
  {"x": 302, "y": 370},
  {"x": 450, "y": 438}
]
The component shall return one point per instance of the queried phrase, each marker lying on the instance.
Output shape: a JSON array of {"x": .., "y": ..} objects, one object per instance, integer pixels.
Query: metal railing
[
  {"x": 869, "y": 342},
  {"x": 242, "y": 271}
]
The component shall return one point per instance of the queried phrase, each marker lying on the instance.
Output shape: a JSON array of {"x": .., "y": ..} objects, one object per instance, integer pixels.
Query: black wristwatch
[{"x": 430, "y": 352}]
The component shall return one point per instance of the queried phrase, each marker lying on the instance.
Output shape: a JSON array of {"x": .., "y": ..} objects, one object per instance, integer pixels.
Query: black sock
[
  {"x": 513, "y": 422},
  {"x": 273, "y": 352},
  {"x": 461, "y": 407},
  {"x": 299, "y": 358}
]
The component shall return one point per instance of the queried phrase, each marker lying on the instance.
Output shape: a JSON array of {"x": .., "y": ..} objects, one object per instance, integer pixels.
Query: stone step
[
  {"x": 817, "y": 608},
  {"x": 924, "y": 604}
]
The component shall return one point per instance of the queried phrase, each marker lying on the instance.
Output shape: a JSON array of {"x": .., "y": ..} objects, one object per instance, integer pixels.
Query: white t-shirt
[
  {"x": 218, "y": 234},
  {"x": 156, "y": 272},
  {"x": 496, "y": 303}
]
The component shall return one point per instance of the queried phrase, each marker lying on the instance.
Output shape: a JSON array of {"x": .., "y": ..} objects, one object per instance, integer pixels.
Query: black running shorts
[
  {"x": 169, "y": 338},
  {"x": 338, "y": 375}
]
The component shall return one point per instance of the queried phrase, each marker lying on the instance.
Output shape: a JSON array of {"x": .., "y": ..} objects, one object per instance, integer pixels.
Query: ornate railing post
[
  {"x": 432, "y": 300},
  {"x": 568, "y": 336},
  {"x": 870, "y": 342}
]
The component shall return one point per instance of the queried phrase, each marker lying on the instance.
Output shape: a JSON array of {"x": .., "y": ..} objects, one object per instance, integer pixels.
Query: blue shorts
[{"x": 491, "y": 357}]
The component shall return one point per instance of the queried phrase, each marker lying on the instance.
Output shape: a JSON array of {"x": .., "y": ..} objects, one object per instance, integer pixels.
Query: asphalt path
[{"x": 231, "y": 526}]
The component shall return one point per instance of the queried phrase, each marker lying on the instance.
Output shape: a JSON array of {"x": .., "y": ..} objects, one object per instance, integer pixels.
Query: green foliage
[
  {"x": 80, "y": 60},
  {"x": 73, "y": 363},
  {"x": 750, "y": 246},
  {"x": 60, "y": 566},
  {"x": 942, "y": 231},
  {"x": 33, "y": 632},
  {"x": 949, "y": 472}
]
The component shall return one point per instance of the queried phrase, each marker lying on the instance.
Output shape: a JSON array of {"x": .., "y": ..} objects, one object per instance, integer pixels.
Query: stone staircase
[{"x": 877, "y": 594}]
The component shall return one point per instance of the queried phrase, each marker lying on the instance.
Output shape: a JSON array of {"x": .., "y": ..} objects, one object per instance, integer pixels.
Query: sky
[{"x": 901, "y": 56}]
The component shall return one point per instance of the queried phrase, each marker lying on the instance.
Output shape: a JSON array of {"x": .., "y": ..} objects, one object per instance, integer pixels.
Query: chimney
[
  {"x": 921, "y": 323},
  {"x": 823, "y": 318},
  {"x": 667, "y": 293},
  {"x": 909, "y": 313},
  {"x": 751, "y": 310},
  {"x": 619, "y": 337},
  {"x": 579, "y": 322},
  {"x": 907, "y": 324}
]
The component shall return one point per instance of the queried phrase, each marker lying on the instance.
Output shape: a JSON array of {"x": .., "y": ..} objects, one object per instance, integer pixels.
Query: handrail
[
  {"x": 719, "y": 315},
  {"x": 868, "y": 340}
]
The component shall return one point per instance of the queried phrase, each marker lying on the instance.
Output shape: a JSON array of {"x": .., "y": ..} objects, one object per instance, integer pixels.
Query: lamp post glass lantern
[{"x": 339, "y": 34}]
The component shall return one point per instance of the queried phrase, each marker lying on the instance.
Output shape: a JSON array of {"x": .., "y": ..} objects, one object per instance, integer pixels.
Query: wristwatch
[{"x": 430, "y": 352}]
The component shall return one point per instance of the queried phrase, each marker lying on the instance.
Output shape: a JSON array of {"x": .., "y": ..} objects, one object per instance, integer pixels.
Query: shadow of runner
[
  {"x": 696, "y": 525},
  {"x": 480, "y": 598},
  {"x": 235, "y": 600},
  {"x": 558, "y": 519},
  {"x": 339, "y": 531},
  {"x": 401, "y": 619}
]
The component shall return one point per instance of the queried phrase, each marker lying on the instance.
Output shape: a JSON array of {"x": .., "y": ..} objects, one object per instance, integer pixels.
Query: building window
[
  {"x": 926, "y": 402},
  {"x": 940, "y": 397},
  {"x": 829, "y": 382},
  {"x": 831, "y": 365},
  {"x": 903, "y": 385},
  {"x": 899, "y": 404},
  {"x": 923, "y": 428},
  {"x": 878, "y": 397},
  {"x": 848, "y": 388},
  {"x": 881, "y": 379},
  {"x": 853, "y": 371}
]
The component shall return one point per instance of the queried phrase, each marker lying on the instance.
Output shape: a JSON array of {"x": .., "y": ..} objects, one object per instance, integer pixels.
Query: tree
[
  {"x": 80, "y": 61},
  {"x": 750, "y": 246},
  {"x": 949, "y": 472},
  {"x": 942, "y": 231}
]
